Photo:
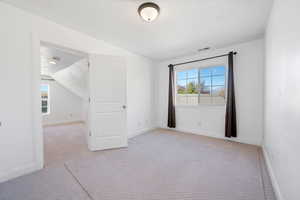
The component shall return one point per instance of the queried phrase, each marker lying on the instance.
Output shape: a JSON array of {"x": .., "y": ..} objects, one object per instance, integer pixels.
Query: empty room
[
  {"x": 64, "y": 97},
  {"x": 149, "y": 100}
]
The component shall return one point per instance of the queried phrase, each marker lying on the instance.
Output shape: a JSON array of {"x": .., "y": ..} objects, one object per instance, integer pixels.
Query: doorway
[
  {"x": 64, "y": 103},
  {"x": 106, "y": 118}
]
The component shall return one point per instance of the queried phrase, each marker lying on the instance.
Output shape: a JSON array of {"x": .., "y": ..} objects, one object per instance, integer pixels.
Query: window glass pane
[
  {"x": 193, "y": 73},
  {"x": 181, "y": 86},
  {"x": 192, "y": 86},
  {"x": 205, "y": 72},
  {"x": 204, "y": 86},
  {"x": 218, "y": 80},
  {"x": 218, "y": 91},
  {"x": 44, "y": 96},
  {"x": 44, "y": 88},
  {"x": 205, "y": 81},
  {"x": 181, "y": 75},
  {"x": 205, "y": 91},
  {"x": 44, "y": 103},
  {"x": 219, "y": 70},
  {"x": 44, "y": 109}
]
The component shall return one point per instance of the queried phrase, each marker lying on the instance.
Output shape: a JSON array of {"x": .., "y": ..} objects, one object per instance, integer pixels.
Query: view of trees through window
[
  {"x": 201, "y": 86},
  {"x": 45, "y": 99}
]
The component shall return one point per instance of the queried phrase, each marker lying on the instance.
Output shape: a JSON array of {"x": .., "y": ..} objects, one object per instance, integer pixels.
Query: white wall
[
  {"x": 65, "y": 106},
  {"x": 208, "y": 119},
  {"x": 75, "y": 78},
  {"x": 18, "y": 137},
  {"x": 282, "y": 98},
  {"x": 140, "y": 96}
]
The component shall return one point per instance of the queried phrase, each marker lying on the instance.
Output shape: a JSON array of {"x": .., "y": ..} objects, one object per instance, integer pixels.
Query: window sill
[{"x": 201, "y": 105}]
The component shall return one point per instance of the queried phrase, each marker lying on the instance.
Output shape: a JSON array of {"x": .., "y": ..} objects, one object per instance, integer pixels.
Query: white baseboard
[
  {"x": 212, "y": 134},
  {"x": 139, "y": 132},
  {"x": 63, "y": 123},
  {"x": 272, "y": 175},
  {"x": 19, "y": 171}
]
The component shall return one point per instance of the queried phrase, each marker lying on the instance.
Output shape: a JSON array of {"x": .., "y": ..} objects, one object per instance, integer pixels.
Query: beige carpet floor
[
  {"x": 53, "y": 183},
  {"x": 65, "y": 142},
  {"x": 159, "y": 165}
]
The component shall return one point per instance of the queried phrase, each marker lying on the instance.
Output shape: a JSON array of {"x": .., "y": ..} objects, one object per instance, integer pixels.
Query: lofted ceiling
[{"x": 182, "y": 27}]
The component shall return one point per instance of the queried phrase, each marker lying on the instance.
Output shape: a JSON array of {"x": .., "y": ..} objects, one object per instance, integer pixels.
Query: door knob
[{"x": 124, "y": 107}]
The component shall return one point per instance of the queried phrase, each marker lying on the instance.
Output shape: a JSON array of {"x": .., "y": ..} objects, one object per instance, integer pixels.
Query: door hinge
[
  {"x": 89, "y": 99},
  {"x": 90, "y": 133},
  {"x": 89, "y": 64}
]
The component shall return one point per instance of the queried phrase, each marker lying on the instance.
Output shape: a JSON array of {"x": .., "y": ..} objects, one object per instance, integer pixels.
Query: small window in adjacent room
[
  {"x": 201, "y": 86},
  {"x": 45, "y": 99}
]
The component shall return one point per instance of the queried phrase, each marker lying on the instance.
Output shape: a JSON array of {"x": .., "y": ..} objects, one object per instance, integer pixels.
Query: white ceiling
[
  {"x": 182, "y": 27},
  {"x": 67, "y": 58}
]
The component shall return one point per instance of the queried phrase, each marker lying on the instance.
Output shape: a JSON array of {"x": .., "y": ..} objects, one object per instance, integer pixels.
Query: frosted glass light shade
[{"x": 149, "y": 11}]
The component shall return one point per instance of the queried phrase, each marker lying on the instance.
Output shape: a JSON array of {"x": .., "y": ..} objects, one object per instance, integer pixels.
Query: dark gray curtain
[
  {"x": 171, "y": 106},
  {"x": 230, "y": 118}
]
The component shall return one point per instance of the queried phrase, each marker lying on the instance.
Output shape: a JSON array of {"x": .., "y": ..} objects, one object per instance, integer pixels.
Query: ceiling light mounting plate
[
  {"x": 149, "y": 11},
  {"x": 204, "y": 49}
]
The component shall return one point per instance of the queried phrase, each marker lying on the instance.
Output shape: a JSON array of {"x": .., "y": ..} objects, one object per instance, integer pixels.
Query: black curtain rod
[{"x": 234, "y": 53}]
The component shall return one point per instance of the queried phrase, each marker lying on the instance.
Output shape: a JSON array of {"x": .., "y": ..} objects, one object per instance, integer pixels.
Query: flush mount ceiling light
[
  {"x": 149, "y": 11},
  {"x": 54, "y": 60}
]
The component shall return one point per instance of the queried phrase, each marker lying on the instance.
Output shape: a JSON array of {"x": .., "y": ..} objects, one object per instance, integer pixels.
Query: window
[
  {"x": 201, "y": 86},
  {"x": 45, "y": 99}
]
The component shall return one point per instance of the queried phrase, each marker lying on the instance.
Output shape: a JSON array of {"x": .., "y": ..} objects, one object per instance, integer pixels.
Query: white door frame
[{"x": 38, "y": 139}]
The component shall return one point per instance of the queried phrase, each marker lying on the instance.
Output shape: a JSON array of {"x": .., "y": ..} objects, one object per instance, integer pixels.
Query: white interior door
[{"x": 107, "y": 110}]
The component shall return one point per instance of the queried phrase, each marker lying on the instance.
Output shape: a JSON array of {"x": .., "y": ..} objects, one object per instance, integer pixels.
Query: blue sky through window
[
  {"x": 219, "y": 70},
  {"x": 201, "y": 85},
  {"x": 181, "y": 75},
  {"x": 44, "y": 88},
  {"x": 218, "y": 80},
  {"x": 209, "y": 76}
]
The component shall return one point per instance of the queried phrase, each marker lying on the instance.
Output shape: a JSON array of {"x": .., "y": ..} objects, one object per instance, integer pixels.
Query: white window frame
[
  {"x": 48, "y": 99},
  {"x": 202, "y": 67}
]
